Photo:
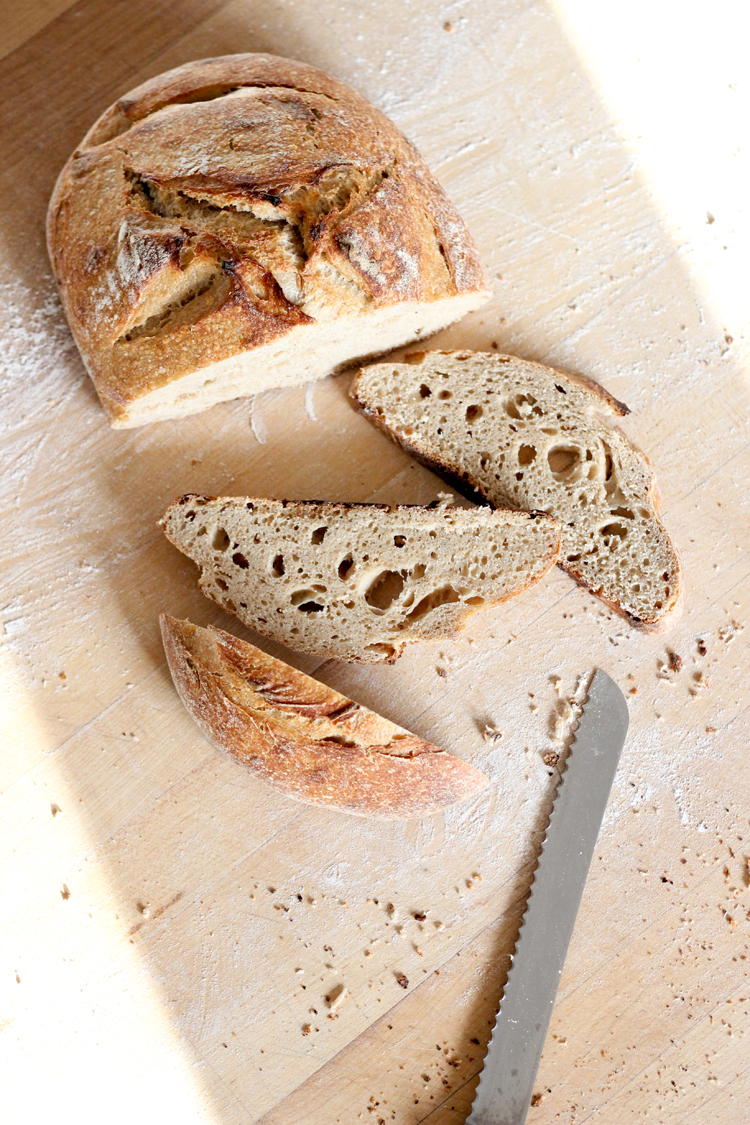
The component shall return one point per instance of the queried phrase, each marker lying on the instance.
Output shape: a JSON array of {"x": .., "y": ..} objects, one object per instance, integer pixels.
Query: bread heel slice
[
  {"x": 526, "y": 436},
  {"x": 305, "y": 739},
  {"x": 358, "y": 581}
]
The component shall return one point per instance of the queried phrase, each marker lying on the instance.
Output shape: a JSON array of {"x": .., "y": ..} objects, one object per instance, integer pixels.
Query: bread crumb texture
[
  {"x": 358, "y": 581},
  {"x": 304, "y": 738},
  {"x": 248, "y": 222},
  {"x": 525, "y": 436}
]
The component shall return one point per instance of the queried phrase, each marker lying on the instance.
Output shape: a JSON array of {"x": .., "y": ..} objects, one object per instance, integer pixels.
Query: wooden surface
[{"x": 170, "y": 925}]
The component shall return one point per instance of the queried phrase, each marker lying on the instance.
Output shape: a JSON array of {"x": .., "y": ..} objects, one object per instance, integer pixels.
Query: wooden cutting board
[{"x": 171, "y": 927}]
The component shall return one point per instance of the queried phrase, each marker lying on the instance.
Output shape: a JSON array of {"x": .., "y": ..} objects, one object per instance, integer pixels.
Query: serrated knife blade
[{"x": 507, "y": 1081}]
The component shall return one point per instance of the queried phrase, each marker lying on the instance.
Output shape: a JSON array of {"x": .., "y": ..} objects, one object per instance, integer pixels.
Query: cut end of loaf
[
  {"x": 306, "y": 352},
  {"x": 305, "y": 739},
  {"x": 524, "y": 435},
  {"x": 358, "y": 581}
]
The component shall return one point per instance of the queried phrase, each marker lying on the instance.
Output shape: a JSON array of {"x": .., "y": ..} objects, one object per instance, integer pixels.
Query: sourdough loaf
[
  {"x": 248, "y": 222},
  {"x": 526, "y": 436},
  {"x": 358, "y": 581},
  {"x": 302, "y": 737}
]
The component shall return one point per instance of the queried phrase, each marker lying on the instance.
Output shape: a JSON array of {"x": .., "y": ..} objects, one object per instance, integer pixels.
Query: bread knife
[{"x": 507, "y": 1081}]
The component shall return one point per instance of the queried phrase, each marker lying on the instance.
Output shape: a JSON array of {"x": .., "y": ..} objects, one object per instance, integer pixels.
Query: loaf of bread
[
  {"x": 526, "y": 436},
  {"x": 305, "y": 739},
  {"x": 358, "y": 581},
  {"x": 248, "y": 222}
]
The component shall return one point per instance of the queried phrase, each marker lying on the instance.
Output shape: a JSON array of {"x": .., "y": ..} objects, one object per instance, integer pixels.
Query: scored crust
[
  {"x": 304, "y": 738},
  {"x": 521, "y": 434},
  {"x": 358, "y": 581},
  {"x": 245, "y": 222}
]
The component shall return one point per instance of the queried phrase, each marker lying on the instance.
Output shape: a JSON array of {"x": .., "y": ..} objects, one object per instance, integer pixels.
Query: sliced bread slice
[
  {"x": 358, "y": 581},
  {"x": 305, "y": 739},
  {"x": 526, "y": 436}
]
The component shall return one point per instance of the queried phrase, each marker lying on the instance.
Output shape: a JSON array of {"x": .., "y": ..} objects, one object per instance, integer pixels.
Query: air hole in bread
[
  {"x": 345, "y": 567},
  {"x": 221, "y": 584},
  {"x": 472, "y": 412},
  {"x": 445, "y": 395},
  {"x": 277, "y": 566},
  {"x": 384, "y": 590},
  {"x": 623, "y": 514},
  {"x": 563, "y": 461},
  {"x": 304, "y": 600},
  {"x": 526, "y": 454},
  {"x": 221, "y": 540},
  {"x": 484, "y": 460},
  {"x": 399, "y": 540},
  {"x": 474, "y": 601},
  {"x": 318, "y": 535},
  {"x": 613, "y": 530},
  {"x": 443, "y": 596},
  {"x": 385, "y": 650},
  {"x": 239, "y": 560},
  {"x": 424, "y": 391},
  {"x": 310, "y": 607}
]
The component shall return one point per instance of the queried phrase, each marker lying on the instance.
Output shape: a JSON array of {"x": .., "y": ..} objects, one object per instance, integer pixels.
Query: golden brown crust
[
  {"x": 304, "y": 738},
  {"x": 221, "y": 204}
]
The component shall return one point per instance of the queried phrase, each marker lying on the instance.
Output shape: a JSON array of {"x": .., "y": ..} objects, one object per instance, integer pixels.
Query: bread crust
[
  {"x": 305, "y": 739},
  {"x": 219, "y": 205}
]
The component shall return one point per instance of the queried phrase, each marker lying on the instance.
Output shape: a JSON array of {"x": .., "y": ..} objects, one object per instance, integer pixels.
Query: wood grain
[{"x": 159, "y": 901}]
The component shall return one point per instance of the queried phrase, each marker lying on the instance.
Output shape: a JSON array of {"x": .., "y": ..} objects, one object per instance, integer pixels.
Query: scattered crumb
[
  {"x": 65, "y": 892},
  {"x": 306, "y": 1029},
  {"x": 420, "y": 915},
  {"x": 674, "y": 660},
  {"x": 728, "y": 632},
  {"x": 391, "y": 910},
  {"x": 536, "y": 1100},
  {"x": 402, "y": 979},
  {"x": 702, "y": 648},
  {"x": 550, "y": 758},
  {"x": 448, "y": 26},
  {"x": 491, "y": 734},
  {"x": 336, "y": 996},
  {"x": 442, "y": 673},
  {"x": 439, "y": 925},
  {"x": 55, "y": 809}
]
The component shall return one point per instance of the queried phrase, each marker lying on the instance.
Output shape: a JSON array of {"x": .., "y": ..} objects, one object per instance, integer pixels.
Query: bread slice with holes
[
  {"x": 305, "y": 739},
  {"x": 526, "y": 436},
  {"x": 358, "y": 581},
  {"x": 248, "y": 222}
]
